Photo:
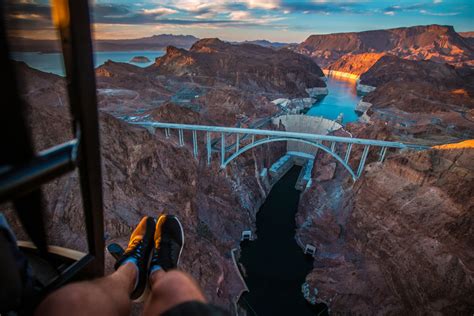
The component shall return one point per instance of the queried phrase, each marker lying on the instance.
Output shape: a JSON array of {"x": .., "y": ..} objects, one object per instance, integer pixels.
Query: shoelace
[{"x": 137, "y": 250}]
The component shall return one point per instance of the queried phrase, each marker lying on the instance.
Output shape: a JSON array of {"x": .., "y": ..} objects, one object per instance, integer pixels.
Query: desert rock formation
[{"x": 429, "y": 42}]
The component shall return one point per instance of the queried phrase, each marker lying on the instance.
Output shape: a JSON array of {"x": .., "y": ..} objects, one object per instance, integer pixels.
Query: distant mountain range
[
  {"x": 469, "y": 36},
  {"x": 155, "y": 42},
  {"x": 265, "y": 43}
]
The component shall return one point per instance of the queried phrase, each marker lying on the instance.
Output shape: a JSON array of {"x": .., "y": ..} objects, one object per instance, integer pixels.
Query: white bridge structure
[{"x": 232, "y": 142}]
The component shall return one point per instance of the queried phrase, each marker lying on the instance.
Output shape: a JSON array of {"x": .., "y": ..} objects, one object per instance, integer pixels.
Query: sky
[{"x": 287, "y": 21}]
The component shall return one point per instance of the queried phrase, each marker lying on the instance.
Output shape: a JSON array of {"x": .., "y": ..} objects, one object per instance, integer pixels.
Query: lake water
[
  {"x": 342, "y": 98},
  {"x": 54, "y": 62}
]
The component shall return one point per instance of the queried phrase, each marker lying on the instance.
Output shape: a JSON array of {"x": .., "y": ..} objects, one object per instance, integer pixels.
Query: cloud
[
  {"x": 393, "y": 9},
  {"x": 34, "y": 15},
  {"x": 425, "y": 12},
  {"x": 422, "y": 8},
  {"x": 240, "y": 15},
  {"x": 206, "y": 15},
  {"x": 160, "y": 11},
  {"x": 322, "y": 7},
  {"x": 262, "y": 4}
]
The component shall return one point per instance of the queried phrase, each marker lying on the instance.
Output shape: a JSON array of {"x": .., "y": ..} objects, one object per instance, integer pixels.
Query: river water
[
  {"x": 274, "y": 263},
  {"x": 342, "y": 98}
]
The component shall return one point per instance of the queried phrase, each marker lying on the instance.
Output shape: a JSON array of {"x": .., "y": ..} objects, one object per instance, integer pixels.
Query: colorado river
[
  {"x": 342, "y": 98},
  {"x": 275, "y": 265}
]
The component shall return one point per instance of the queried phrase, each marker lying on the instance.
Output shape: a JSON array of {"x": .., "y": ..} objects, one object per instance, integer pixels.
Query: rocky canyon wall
[{"x": 399, "y": 240}]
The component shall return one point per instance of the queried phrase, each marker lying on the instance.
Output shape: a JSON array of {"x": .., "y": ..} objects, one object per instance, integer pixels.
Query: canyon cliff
[{"x": 399, "y": 240}]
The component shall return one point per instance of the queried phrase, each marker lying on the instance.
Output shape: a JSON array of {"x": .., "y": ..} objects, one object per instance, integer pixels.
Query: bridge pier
[
  {"x": 195, "y": 145},
  {"x": 209, "y": 147},
  {"x": 362, "y": 160},
  {"x": 222, "y": 149}
]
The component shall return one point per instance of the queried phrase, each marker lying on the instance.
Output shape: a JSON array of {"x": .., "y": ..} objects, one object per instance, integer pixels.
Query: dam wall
[{"x": 305, "y": 124}]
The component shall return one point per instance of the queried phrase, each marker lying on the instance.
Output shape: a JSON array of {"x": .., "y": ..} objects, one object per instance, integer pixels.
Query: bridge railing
[{"x": 251, "y": 140}]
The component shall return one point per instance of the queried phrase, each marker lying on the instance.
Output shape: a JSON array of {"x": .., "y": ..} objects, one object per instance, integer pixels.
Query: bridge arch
[{"x": 280, "y": 139}]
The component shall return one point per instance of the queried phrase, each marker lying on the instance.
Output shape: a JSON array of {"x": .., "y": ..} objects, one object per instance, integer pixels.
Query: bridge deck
[
  {"x": 236, "y": 130},
  {"x": 247, "y": 138}
]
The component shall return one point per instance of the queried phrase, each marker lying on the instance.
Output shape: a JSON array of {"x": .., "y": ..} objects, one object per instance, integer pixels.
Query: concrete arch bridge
[{"x": 246, "y": 139}]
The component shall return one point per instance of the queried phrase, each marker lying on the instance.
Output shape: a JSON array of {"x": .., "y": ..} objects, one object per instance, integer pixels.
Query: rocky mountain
[
  {"x": 434, "y": 42},
  {"x": 391, "y": 68},
  {"x": 422, "y": 99},
  {"x": 397, "y": 241},
  {"x": 155, "y": 42},
  {"x": 248, "y": 67},
  {"x": 356, "y": 64}
]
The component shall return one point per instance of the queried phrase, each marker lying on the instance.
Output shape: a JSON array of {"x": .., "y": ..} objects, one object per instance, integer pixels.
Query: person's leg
[
  {"x": 169, "y": 289},
  {"x": 109, "y": 295}
]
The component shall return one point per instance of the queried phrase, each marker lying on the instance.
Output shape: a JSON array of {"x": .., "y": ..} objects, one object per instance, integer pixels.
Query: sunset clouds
[{"x": 281, "y": 20}]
